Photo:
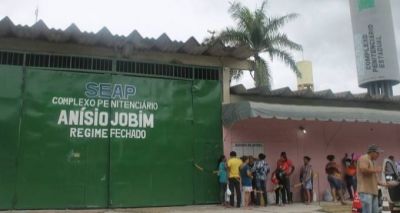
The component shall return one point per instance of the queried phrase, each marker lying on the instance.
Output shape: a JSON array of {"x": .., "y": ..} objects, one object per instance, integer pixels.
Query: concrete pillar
[{"x": 226, "y": 77}]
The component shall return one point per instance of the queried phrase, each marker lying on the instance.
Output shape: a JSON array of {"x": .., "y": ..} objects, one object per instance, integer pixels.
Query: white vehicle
[{"x": 391, "y": 194}]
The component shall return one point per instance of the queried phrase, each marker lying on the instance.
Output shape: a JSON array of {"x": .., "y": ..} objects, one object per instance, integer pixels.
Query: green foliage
[{"x": 261, "y": 34}]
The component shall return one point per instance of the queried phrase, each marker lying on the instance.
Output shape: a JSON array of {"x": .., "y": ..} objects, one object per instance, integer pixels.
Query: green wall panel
[
  {"x": 66, "y": 148},
  {"x": 10, "y": 92},
  {"x": 54, "y": 170},
  {"x": 207, "y": 139},
  {"x": 156, "y": 170}
]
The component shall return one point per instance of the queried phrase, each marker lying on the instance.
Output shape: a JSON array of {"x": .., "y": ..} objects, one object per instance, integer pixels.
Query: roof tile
[
  {"x": 324, "y": 94},
  {"x": 133, "y": 41},
  {"x": 6, "y": 26}
]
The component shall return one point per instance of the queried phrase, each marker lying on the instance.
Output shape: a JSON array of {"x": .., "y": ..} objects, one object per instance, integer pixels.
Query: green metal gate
[
  {"x": 47, "y": 162},
  {"x": 10, "y": 102},
  {"x": 54, "y": 170},
  {"x": 158, "y": 170}
]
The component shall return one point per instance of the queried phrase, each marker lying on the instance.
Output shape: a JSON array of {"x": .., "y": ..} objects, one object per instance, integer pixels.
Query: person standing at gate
[
  {"x": 234, "y": 164},
  {"x": 367, "y": 181},
  {"x": 261, "y": 171},
  {"x": 222, "y": 178},
  {"x": 285, "y": 165}
]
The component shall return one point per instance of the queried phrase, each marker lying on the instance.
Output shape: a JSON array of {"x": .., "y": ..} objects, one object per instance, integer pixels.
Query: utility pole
[{"x": 36, "y": 13}]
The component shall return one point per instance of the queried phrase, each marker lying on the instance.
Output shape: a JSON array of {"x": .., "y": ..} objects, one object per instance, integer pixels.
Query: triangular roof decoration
[
  {"x": 6, "y": 26},
  {"x": 104, "y": 37}
]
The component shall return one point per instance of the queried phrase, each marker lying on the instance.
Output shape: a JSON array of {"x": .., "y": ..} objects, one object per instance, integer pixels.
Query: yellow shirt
[
  {"x": 366, "y": 183},
  {"x": 233, "y": 166}
]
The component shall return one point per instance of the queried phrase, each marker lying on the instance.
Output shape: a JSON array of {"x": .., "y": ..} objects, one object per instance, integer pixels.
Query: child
[{"x": 278, "y": 188}]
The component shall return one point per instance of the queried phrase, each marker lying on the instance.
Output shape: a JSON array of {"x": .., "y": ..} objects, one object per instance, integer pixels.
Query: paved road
[{"x": 293, "y": 208}]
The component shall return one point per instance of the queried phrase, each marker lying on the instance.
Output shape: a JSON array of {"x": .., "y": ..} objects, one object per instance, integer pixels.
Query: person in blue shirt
[
  {"x": 222, "y": 178},
  {"x": 246, "y": 177}
]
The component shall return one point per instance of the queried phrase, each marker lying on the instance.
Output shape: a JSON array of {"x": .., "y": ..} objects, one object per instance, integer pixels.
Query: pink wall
[{"x": 322, "y": 138}]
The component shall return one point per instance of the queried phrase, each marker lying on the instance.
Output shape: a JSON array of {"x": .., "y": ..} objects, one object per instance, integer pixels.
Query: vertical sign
[
  {"x": 365, "y": 4},
  {"x": 374, "y": 41}
]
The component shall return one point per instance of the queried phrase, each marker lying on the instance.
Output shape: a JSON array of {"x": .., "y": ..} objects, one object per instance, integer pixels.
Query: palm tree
[{"x": 261, "y": 34}]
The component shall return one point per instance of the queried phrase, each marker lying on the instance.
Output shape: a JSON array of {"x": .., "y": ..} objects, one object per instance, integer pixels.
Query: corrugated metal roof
[
  {"x": 235, "y": 112},
  {"x": 324, "y": 94},
  {"x": 134, "y": 41}
]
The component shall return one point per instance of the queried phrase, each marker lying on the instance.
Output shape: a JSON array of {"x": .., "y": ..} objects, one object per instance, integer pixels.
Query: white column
[{"x": 226, "y": 77}]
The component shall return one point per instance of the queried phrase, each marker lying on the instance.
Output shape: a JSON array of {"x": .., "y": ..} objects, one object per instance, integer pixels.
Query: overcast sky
[{"x": 323, "y": 28}]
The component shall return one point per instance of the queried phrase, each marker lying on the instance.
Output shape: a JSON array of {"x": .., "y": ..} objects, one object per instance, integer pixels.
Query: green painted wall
[{"x": 45, "y": 163}]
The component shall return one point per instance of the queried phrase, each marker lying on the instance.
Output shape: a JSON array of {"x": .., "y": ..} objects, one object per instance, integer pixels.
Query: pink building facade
[
  {"x": 312, "y": 136},
  {"x": 321, "y": 138}
]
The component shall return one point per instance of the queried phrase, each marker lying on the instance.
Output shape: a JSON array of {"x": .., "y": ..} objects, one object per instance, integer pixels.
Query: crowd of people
[
  {"x": 249, "y": 175},
  {"x": 360, "y": 174}
]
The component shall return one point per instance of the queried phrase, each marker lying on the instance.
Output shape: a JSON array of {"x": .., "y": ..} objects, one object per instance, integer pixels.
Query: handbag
[
  {"x": 228, "y": 191},
  {"x": 357, "y": 205}
]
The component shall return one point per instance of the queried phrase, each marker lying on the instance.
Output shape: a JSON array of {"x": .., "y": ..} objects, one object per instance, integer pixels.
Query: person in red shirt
[
  {"x": 285, "y": 165},
  {"x": 350, "y": 177}
]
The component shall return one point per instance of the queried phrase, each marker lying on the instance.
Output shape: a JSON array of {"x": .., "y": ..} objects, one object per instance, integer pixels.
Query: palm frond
[
  {"x": 233, "y": 37},
  {"x": 261, "y": 13},
  {"x": 235, "y": 9},
  {"x": 263, "y": 7},
  {"x": 242, "y": 15},
  {"x": 274, "y": 23},
  {"x": 236, "y": 74},
  {"x": 261, "y": 33},
  {"x": 287, "y": 58},
  {"x": 258, "y": 30},
  {"x": 281, "y": 40}
]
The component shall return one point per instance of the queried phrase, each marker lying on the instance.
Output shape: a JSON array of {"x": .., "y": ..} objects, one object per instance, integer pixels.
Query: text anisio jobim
[{"x": 108, "y": 111}]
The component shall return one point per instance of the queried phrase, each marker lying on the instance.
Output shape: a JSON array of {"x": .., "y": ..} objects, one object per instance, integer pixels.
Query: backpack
[{"x": 357, "y": 205}]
